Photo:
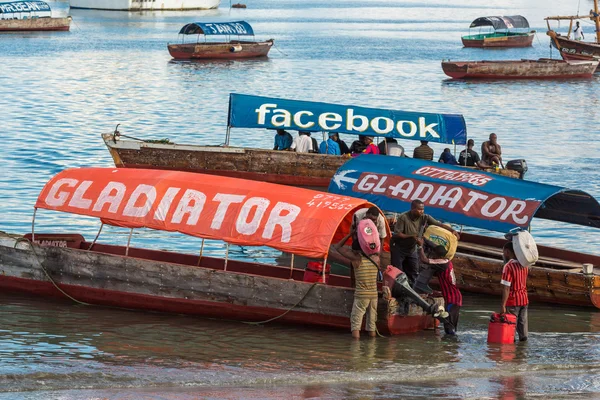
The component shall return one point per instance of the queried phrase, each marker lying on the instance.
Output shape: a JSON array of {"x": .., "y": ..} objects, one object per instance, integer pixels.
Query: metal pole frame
[
  {"x": 227, "y": 135},
  {"x": 201, "y": 250},
  {"x": 33, "y": 225},
  {"x": 226, "y": 256},
  {"x": 324, "y": 268},
  {"x": 128, "y": 242},
  {"x": 292, "y": 266}
]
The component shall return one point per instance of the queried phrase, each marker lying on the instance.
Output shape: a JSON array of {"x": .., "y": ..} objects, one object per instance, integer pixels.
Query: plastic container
[
  {"x": 440, "y": 236},
  {"x": 502, "y": 328},
  {"x": 314, "y": 272}
]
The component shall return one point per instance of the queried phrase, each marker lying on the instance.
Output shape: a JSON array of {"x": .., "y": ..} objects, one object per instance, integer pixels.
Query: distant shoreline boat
[
  {"x": 520, "y": 69},
  {"x": 23, "y": 16},
  {"x": 134, "y": 5},
  {"x": 501, "y": 34}
]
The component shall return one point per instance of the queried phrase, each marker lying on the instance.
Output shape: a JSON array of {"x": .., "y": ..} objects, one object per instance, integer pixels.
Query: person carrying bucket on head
[{"x": 363, "y": 257}]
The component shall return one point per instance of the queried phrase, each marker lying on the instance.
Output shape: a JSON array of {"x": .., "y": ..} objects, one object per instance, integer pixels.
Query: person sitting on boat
[
  {"x": 391, "y": 147},
  {"x": 374, "y": 215},
  {"x": 408, "y": 232},
  {"x": 578, "y": 32},
  {"x": 363, "y": 258},
  {"x": 303, "y": 143},
  {"x": 343, "y": 146},
  {"x": 315, "y": 144},
  {"x": 447, "y": 157},
  {"x": 491, "y": 152},
  {"x": 283, "y": 140},
  {"x": 366, "y": 145},
  {"x": 444, "y": 270},
  {"x": 514, "y": 290},
  {"x": 469, "y": 157},
  {"x": 330, "y": 146},
  {"x": 424, "y": 152},
  {"x": 358, "y": 146}
]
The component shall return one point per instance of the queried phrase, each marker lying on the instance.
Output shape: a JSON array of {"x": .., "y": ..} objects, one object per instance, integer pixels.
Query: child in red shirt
[{"x": 514, "y": 291}]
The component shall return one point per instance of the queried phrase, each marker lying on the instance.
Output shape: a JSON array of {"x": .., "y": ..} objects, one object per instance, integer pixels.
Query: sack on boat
[
  {"x": 438, "y": 236},
  {"x": 525, "y": 248},
  {"x": 314, "y": 272},
  {"x": 368, "y": 237}
]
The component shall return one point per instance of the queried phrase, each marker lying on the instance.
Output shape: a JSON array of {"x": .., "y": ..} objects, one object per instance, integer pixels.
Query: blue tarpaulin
[
  {"x": 461, "y": 195},
  {"x": 272, "y": 113},
  {"x": 23, "y": 6},
  {"x": 241, "y": 28}
]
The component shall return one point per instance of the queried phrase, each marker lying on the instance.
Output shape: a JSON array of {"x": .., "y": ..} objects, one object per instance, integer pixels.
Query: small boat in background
[
  {"x": 509, "y": 31},
  {"x": 520, "y": 69},
  {"x": 19, "y": 16},
  {"x": 231, "y": 49}
]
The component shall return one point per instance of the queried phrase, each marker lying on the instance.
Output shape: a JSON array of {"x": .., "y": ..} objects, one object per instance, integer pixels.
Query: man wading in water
[{"x": 363, "y": 258}]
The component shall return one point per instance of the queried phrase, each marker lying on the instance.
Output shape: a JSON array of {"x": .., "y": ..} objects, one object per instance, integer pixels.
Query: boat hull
[
  {"x": 174, "y": 283},
  {"x": 224, "y": 51},
  {"x": 281, "y": 167},
  {"x": 498, "y": 41},
  {"x": 133, "y": 5},
  {"x": 519, "y": 69},
  {"x": 574, "y": 50},
  {"x": 35, "y": 24}
]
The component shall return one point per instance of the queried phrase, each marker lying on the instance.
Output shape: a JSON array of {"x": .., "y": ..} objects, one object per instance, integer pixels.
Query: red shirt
[
  {"x": 447, "y": 281},
  {"x": 514, "y": 275}
]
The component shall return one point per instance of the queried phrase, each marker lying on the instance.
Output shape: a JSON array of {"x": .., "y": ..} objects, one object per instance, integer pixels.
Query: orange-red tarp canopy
[{"x": 294, "y": 220}]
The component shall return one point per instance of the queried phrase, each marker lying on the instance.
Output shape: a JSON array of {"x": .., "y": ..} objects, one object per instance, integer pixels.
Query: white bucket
[{"x": 587, "y": 269}]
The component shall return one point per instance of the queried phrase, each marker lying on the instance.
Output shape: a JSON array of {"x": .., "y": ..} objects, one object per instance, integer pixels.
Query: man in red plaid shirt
[{"x": 514, "y": 291}]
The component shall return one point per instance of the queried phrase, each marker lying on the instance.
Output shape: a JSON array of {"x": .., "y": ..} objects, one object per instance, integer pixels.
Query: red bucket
[
  {"x": 502, "y": 328},
  {"x": 314, "y": 272}
]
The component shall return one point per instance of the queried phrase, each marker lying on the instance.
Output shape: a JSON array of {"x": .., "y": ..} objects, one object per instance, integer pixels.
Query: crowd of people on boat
[
  {"x": 491, "y": 151},
  {"x": 412, "y": 254}
]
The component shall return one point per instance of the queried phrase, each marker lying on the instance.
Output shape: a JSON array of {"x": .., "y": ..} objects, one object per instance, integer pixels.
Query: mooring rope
[{"x": 287, "y": 311}]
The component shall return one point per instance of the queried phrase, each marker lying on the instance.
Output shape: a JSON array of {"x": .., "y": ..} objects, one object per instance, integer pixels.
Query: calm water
[{"x": 60, "y": 91}]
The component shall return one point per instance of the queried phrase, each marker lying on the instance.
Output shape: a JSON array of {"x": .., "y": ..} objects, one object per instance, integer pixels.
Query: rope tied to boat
[
  {"x": 22, "y": 239},
  {"x": 116, "y": 134},
  {"x": 287, "y": 311}
]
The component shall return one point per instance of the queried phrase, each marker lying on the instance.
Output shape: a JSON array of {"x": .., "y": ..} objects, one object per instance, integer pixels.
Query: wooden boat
[
  {"x": 558, "y": 277},
  {"x": 575, "y": 49},
  {"x": 281, "y": 167},
  {"x": 505, "y": 31},
  {"x": 141, "y": 5},
  {"x": 231, "y": 49},
  {"x": 23, "y": 16},
  {"x": 203, "y": 206},
  {"x": 520, "y": 69}
]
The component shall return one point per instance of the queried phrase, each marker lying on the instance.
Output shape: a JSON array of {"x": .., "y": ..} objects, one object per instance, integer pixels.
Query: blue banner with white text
[
  {"x": 23, "y": 6},
  {"x": 271, "y": 113}
]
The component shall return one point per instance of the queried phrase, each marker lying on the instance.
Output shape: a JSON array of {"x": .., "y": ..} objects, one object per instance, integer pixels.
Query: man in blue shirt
[
  {"x": 330, "y": 146},
  {"x": 283, "y": 140}
]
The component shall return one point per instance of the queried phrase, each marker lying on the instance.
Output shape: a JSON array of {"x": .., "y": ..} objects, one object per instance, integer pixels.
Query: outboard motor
[
  {"x": 397, "y": 281},
  {"x": 518, "y": 165}
]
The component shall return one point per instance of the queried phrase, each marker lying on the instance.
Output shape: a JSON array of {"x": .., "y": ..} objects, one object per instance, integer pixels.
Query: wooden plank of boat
[
  {"x": 281, "y": 167},
  {"x": 519, "y": 69},
  {"x": 35, "y": 24},
  {"x": 171, "y": 282},
  {"x": 556, "y": 278},
  {"x": 234, "y": 49}
]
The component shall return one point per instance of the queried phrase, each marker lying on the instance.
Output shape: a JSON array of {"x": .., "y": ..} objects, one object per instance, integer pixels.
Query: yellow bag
[{"x": 441, "y": 236}]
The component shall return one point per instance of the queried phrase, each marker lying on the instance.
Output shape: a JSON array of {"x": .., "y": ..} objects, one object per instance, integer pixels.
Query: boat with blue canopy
[
  {"x": 285, "y": 167},
  {"x": 485, "y": 201},
  {"x": 499, "y": 31},
  {"x": 18, "y": 16},
  {"x": 230, "y": 49}
]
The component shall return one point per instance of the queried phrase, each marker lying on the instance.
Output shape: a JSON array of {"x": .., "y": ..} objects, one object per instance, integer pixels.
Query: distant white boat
[{"x": 146, "y": 5}]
